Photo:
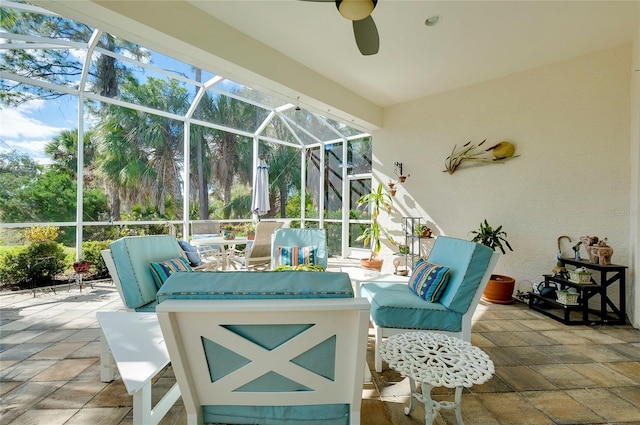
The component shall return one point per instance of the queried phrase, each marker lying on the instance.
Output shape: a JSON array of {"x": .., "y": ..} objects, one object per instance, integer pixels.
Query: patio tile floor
[{"x": 546, "y": 372}]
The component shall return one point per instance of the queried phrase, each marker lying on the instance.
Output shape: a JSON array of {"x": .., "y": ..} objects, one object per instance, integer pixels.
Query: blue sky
[{"x": 29, "y": 127}]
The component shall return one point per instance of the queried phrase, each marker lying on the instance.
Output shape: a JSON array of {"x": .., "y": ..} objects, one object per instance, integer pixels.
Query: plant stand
[
  {"x": 416, "y": 245},
  {"x": 602, "y": 311}
]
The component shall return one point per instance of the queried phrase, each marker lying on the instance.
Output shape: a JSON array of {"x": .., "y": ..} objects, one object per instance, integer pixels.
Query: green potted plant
[
  {"x": 372, "y": 235},
  {"x": 228, "y": 232},
  {"x": 499, "y": 289},
  {"x": 250, "y": 229},
  {"x": 423, "y": 231}
]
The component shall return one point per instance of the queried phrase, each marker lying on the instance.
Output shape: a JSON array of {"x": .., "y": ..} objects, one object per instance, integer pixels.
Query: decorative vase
[
  {"x": 499, "y": 289},
  {"x": 369, "y": 264},
  {"x": 228, "y": 234}
]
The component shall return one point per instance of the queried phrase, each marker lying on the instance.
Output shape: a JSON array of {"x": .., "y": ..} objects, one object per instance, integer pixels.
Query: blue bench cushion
[
  {"x": 255, "y": 285},
  {"x": 132, "y": 255},
  {"x": 325, "y": 414},
  {"x": 394, "y": 305}
]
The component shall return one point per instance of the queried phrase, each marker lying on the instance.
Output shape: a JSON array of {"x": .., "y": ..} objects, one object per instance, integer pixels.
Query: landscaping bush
[
  {"x": 91, "y": 251},
  {"x": 34, "y": 265}
]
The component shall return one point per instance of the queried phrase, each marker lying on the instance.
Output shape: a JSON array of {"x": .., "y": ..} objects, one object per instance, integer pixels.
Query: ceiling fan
[{"x": 364, "y": 29}]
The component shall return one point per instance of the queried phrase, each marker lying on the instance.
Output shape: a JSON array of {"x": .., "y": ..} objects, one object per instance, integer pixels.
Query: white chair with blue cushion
[
  {"x": 298, "y": 246},
  {"x": 129, "y": 261},
  {"x": 442, "y": 294},
  {"x": 266, "y": 348}
]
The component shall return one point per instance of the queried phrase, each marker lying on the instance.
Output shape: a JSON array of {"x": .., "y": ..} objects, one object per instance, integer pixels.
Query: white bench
[{"x": 134, "y": 342}]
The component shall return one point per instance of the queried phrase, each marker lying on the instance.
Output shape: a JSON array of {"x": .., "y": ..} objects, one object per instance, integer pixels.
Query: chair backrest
[
  {"x": 468, "y": 262},
  {"x": 270, "y": 360},
  {"x": 111, "y": 267},
  {"x": 131, "y": 257},
  {"x": 301, "y": 237},
  {"x": 260, "y": 250},
  {"x": 203, "y": 229}
]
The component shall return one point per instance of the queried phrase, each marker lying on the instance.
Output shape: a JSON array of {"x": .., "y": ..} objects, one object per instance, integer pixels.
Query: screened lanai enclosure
[{"x": 164, "y": 144}]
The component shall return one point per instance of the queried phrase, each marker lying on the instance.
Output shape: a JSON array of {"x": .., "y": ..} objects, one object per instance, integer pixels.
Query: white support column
[
  {"x": 185, "y": 178},
  {"x": 93, "y": 42},
  {"x": 346, "y": 199}
]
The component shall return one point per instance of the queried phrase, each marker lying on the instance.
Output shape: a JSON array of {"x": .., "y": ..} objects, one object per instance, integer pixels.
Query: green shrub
[
  {"x": 36, "y": 264},
  {"x": 92, "y": 254}
]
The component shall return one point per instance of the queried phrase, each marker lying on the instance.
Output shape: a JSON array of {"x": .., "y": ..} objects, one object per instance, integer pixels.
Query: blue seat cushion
[
  {"x": 325, "y": 414},
  {"x": 394, "y": 305},
  {"x": 255, "y": 285},
  {"x": 131, "y": 256},
  {"x": 467, "y": 262},
  {"x": 147, "y": 308}
]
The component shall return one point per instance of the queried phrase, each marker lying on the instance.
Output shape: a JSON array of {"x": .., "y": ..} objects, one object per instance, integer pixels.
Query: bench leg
[
  {"x": 377, "y": 358},
  {"x": 107, "y": 363},
  {"x": 143, "y": 413}
]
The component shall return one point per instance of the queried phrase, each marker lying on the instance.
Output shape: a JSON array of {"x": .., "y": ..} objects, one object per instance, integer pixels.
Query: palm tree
[
  {"x": 140, "y": 153},
  {"x": 224, "y": 146},
  {"x": 63, "y": 150}
]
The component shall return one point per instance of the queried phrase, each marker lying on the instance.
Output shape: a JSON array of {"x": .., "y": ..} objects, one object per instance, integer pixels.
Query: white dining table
[{"x": 223, "y": 243}]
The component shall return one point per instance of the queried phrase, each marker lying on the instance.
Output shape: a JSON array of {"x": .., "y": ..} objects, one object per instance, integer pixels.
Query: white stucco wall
[{"x": 570, "y": 123}]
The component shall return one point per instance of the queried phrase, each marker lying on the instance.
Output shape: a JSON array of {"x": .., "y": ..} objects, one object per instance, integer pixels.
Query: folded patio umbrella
[{"x": 260, "y": 202}]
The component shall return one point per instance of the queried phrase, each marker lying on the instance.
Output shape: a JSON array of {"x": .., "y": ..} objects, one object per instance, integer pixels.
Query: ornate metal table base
[
  {"x": 436, "y": 406},
  {"x": 436, "y": 360}
]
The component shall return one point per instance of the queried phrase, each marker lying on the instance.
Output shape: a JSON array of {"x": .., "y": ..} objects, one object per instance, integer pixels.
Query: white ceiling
[
  {"x": 475, "y": 40},
  {"x": 303, "y": 48}
]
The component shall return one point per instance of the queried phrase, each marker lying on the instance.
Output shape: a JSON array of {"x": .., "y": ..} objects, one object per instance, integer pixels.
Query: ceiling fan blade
[{"x": 366, "y": 34}]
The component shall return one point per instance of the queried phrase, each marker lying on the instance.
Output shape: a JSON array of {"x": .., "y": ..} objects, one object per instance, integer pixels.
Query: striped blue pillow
[
  {"x": 429, "y": 280},
  {"x": 295, "y": 255},
  {"x": 162, "y": 270}
]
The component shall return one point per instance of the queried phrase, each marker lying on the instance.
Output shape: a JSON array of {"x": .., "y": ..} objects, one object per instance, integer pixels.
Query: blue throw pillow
[
  {"x": 163, "y": 269},
  {"x": 296, "y": 255},
  {"x": 192, "y": 253},
  {"x": 429, "y": 280}
]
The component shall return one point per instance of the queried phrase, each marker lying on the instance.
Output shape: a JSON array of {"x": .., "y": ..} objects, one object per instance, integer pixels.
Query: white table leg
[
  {"x": 430, "y": 409},
  {"x": 412, "y": 393},
  {"x": 459, "y": 405},
  {"x": 107, "y": 363}
]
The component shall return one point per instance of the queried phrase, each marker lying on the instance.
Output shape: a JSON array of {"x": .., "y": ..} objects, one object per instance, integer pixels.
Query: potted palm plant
[
  {"x": 372, "y": 235},
  {"x": 499, "y": 289}
]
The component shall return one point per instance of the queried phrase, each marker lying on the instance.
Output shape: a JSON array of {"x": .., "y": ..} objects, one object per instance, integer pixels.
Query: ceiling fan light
[{"x": 355, "y": 10}]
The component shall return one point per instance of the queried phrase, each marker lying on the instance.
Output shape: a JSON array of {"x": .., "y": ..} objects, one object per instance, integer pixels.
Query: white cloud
[
  {"x": 25, "y": 134},
  {"x": 16, "y": 124}
]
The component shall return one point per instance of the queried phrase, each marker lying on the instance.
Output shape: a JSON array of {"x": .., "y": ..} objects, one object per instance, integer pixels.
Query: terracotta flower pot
[
  {"x": 376, "y": 264},
  {"x": 81, "y": 266},
  {"x": 499, "y": 289}
]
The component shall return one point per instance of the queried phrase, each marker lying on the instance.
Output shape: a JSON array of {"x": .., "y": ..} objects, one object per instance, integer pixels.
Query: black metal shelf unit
[
  {"x": 412, "y": 241},
  {"x": 581, "y": 313}
]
